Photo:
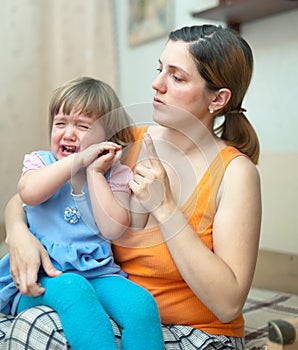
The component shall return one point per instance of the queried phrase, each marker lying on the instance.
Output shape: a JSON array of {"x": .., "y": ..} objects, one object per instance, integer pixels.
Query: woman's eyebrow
[{"x": 173, "y": 66}]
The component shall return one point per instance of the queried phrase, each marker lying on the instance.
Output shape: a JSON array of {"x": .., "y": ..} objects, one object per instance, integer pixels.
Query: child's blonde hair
[{"x": 96, "y": 99}]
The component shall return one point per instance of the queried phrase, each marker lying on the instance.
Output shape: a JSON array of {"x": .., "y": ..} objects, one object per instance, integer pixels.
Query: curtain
[{"x": 43, "y": 44}]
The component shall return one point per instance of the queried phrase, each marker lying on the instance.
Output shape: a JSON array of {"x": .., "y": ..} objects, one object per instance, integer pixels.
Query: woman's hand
[
  {"x": 151, "y": 185},
  {"x": 26, "y": 252},
  {"x": 26, "y": 256}
]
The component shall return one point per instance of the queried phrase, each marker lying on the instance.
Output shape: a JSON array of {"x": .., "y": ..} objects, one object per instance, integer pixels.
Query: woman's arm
[
  {"x": 221, "y": 279},
  {"x": 236, "y": 229},
  {"x": 26, "y": 252}
]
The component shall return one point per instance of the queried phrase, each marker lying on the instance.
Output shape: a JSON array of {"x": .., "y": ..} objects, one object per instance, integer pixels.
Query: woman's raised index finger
[{"x": 151, "y": 151}]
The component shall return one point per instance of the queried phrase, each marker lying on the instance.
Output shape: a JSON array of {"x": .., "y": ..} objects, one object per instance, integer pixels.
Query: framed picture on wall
[{"x": 149, "y": 20}]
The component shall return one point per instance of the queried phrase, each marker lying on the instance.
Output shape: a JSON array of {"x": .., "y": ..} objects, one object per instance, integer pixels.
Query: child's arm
[
  {"x": 111, "y": 209},
  {"x": 84, "y": 158},
  {"x": 139, "y": 215},
  {"x": 38, "y": 185}
]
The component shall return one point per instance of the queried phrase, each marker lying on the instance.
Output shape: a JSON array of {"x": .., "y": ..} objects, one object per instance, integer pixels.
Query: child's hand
[
  {"x": 93, "y": 152},
  {"x": 106, "y": 159}
]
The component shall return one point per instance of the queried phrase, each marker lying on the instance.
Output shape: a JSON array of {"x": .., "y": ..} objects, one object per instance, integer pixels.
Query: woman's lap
[
  {"x": 45, "y": 330},
  {"x": 40, "y": 327}
]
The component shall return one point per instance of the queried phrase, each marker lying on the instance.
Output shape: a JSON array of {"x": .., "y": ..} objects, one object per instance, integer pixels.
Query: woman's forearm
[
  {"x": 26, "y": 252},
  {"x": 202, "y": 268},
  {"x": 15, "y": 219},
  {"x": 229, "y": 266}
]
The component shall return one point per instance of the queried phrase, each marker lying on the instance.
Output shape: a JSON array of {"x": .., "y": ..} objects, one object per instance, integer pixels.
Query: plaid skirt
[{"x": 40, "y": 329}]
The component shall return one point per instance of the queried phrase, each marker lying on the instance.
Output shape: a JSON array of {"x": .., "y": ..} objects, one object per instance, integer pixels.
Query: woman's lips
[{"x": 157, "y": 102}]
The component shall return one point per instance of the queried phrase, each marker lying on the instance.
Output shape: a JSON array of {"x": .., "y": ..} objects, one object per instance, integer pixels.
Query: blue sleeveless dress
[{"x": 64, "y": 224}]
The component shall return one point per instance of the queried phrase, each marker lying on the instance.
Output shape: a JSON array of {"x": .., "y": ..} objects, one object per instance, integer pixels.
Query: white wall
[
  {"x": 271, "y": 102},
  {"x": 271, "y": 105},
  {"x": 273, "y": 91}
]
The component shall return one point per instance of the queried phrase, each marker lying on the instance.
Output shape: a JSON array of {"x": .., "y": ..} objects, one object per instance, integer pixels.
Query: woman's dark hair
[{"x": 225, "y": 60}]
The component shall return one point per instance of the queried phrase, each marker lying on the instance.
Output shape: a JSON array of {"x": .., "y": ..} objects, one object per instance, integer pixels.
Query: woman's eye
[
  {"x": 59, "y": 124},
  {"x": 177, "y": 78},
  {"x": 159, "y": 70}
]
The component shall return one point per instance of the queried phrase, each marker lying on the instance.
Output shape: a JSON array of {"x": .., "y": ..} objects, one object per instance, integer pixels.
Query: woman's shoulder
[
  {"x": 241, "y": 179},
  {"x": 235, "y": 159},
  {"x": 241, "y": 168}
]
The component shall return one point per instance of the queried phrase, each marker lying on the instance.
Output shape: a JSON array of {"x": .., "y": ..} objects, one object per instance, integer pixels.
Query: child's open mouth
[{"x": 67, "y": 150}]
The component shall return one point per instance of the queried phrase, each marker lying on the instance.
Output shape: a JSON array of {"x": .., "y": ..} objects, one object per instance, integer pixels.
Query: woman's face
[{"x": 180, "y": 85}]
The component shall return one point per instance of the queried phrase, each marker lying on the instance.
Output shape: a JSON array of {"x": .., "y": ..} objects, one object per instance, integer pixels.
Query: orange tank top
[{"x": 146, "y": 259}]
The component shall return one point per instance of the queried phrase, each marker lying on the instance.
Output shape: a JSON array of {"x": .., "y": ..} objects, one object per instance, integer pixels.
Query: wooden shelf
[{"x": 235, "y": 12}]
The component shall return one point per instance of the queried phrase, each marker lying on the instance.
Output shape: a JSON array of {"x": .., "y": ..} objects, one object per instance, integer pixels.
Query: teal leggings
[{"x": 84, "y": 306}]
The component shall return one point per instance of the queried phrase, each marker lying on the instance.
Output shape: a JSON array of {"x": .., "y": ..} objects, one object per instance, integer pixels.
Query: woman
[{"x": 199, "y": 183}]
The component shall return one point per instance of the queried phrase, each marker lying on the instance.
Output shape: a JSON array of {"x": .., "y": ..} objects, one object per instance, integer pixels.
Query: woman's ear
[{"x": 220, "y": 100}]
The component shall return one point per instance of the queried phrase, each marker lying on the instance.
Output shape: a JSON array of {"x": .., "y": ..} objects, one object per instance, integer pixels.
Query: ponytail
[
  {"x": 225, "y": 60},
  {"x": 237, "y": 131}
]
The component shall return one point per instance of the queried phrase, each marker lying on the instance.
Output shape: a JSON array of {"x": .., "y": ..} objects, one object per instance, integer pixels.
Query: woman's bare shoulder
[{"x": 242, "y": 166}]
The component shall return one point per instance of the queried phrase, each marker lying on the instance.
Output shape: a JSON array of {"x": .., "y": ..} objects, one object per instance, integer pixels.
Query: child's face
[{"x": 72, "y": 133}]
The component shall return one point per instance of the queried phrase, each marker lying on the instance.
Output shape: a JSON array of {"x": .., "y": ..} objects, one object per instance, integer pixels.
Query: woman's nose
[{"x": 159, "y": 84}]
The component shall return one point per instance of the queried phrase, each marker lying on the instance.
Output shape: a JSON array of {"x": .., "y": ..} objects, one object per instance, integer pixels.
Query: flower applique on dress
[{"x": 72, "y": 215}]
